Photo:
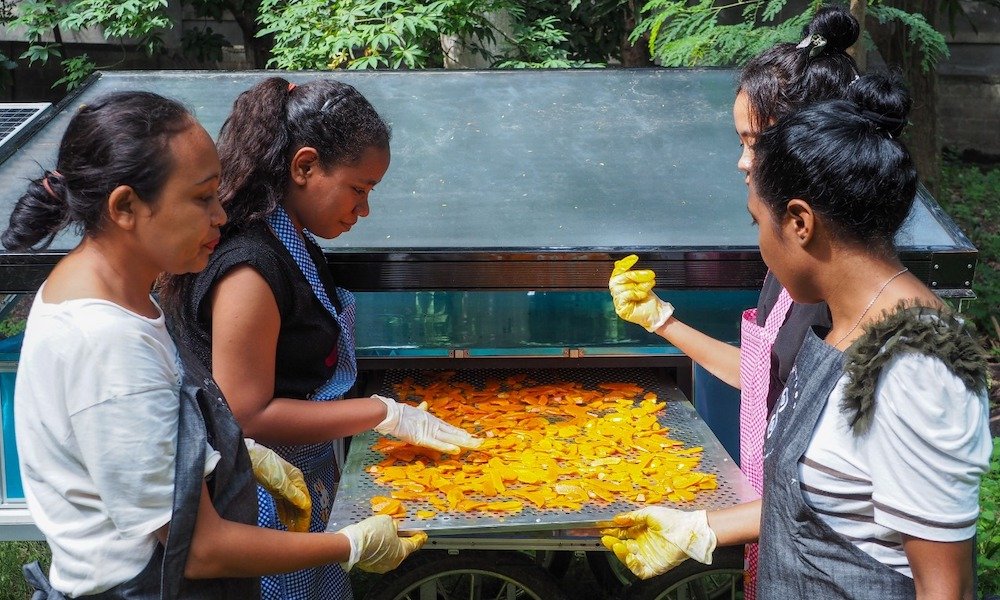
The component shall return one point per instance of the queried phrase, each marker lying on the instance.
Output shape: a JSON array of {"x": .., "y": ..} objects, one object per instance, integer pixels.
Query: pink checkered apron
[{"x": 755, "y": 381}]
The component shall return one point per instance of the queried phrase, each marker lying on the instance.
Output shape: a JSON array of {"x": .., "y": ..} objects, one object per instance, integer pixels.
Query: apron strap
[
  {"x": 36, "y": 579},
  {"x": 777, "y": 316}
]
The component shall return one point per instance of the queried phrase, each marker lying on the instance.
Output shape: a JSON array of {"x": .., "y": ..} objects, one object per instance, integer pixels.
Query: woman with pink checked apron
[{"x": 774, "y": 83}]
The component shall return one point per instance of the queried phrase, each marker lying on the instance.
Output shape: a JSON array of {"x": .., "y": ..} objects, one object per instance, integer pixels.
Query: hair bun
[
  {"x": 882, "y": 100},
  {"x": 837, "y": 25}
]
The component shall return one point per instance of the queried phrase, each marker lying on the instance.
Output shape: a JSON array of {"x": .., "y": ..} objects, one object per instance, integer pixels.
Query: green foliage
[
  {"x": 539, "y": 43},
  {"x": 76, "y": 70},
  {"x": 692, "y": 34},
  {"x": 365, "y": 34},
  {"x": 359, "y": 34},
  {"x": 138, "y": 22},
  {"x": 969, "y": 194},
  {"x": 12, "y": 556},
  {"x": 12, "y": 327},
  {"x": 988, "y": 530},
  {"x": 594, "y": 29},
  {"x": 683, "y": 33},
  {"x": 928, "y": 40},
  {"x": 203, "y": 44}
]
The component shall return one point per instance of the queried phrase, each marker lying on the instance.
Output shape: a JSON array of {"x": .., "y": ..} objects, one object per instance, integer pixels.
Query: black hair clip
[{"x": 815, "y": 43}]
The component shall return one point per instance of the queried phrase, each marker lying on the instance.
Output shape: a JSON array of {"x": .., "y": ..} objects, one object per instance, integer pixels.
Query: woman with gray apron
[
  {"x": 133, "y": 466},
  {"x": 267, "y": 315},
  {"x": 771, "y": 85},
  {"x": 875, "y": 449}
]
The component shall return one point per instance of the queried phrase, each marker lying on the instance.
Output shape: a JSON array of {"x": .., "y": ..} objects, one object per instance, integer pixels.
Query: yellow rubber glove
[
  {"x": 653, "y": 540},
  {"x": 632, "y": 293},
  {"x": 375, "y": 545},
  {"x": 285, "y": 483},
  {"x": 417, "y": 426}
]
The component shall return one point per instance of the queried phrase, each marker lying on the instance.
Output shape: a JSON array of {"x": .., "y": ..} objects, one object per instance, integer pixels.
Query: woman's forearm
[
  {"x": 735, "y": 525},
  {"x": 221, "y": 548},
  {"x": 291, "y": 421},
  {"x": 719, "y": 358}
]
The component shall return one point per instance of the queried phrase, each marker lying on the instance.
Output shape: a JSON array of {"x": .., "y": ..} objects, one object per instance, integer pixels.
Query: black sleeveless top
[{"x": 306, "y": 354}]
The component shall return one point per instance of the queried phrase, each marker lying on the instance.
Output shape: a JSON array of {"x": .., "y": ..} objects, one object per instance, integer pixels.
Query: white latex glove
[
  {"x": 375, "y": 545},
  {"x": 653, "y": 540},
  {"x": 632, "y": 292},
  {"x": 417, "y": 426}
]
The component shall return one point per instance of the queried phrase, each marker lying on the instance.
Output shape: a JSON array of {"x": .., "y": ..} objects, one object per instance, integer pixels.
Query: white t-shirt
[
  {"x": 96, "y": 412},
  {"x": 915, "y": 472}
]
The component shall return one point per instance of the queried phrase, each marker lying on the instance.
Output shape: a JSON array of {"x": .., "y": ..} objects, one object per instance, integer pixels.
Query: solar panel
[{"x": 15, "y": 116}]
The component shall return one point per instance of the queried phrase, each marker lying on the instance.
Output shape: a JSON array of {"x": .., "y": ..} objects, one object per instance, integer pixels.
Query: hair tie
[
  {"x": 891, "y": 125},
  {"x": 815, "y": 42},
  {"x": 291, "y": 86},
  {"x": 45, "y": 183}
]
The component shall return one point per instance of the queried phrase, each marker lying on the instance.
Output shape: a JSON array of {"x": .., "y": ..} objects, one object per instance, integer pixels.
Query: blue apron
[
  {"x": 800, "y": 555},
  {"x": 317, "y": 462}
]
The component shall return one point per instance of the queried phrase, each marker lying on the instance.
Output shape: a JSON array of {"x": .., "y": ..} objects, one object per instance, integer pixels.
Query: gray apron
[
  {"x": 204, "y": 417},
  {"x": 800, "y": 555}
]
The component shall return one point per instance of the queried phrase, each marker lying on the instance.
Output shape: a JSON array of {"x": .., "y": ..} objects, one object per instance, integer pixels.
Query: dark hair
[
  {"x": 271, "y": 121},
  {"x": 845, "y": 158},
  {"x": 119, "y": 139},
  {"x": 787, "y": 76}
]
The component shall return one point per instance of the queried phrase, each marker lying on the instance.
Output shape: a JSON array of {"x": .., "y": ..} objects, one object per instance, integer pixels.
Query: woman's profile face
[
  {"x": 335, "y": 199},
  {"x": 178, "y": 231},
  {"x": 744, "y": 128}
]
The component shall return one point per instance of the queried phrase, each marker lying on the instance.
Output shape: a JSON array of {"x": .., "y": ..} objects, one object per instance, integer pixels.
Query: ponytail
[
  {"x": 254, "y": 147},
  {"x": 38, "y": 215}
]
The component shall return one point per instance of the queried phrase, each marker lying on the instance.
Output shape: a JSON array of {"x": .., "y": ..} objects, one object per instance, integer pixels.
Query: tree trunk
[
  {"x": 256, "y": 49},
  {"x": 922, "y": 137},
  {"x": 634, "y": 55},
  {"x": 858, "y": 50}
]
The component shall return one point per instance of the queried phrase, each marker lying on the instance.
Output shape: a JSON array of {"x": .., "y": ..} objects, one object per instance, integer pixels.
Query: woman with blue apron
[
  {"x": 134, "y": 467},
  {"x": 267, "y": 315},
  {"x": 873, "y": 456}
]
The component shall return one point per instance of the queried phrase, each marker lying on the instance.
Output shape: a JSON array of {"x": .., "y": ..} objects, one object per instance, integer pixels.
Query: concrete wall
[{"x": 969, "y": 84}]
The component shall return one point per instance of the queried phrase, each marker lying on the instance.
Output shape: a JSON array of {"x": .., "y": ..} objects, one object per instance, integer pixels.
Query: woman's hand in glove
[
  {"x": 632, "y": 292},
  {"x": 375, "y": 545},
  {"x": 285, "y": 483},
  {"x": 417, "y": 426},
  {"x": 653, "y": 540}
]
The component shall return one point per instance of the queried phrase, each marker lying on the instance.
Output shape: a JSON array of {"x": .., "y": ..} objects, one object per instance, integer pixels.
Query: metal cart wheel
[
  {"x": 689, "y": 581},
  {"x": 468, "y": 575}
]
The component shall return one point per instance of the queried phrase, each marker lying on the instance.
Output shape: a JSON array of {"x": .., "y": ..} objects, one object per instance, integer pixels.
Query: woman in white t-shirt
[
  {"x": 875, "y": 450},
  {"x": 134, "y": 468}
]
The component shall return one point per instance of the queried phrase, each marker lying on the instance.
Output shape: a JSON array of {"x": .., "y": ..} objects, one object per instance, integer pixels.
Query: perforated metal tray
[{"x": 357, "y": 487}]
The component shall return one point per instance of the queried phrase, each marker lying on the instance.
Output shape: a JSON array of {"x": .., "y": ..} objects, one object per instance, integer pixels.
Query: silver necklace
[{"x": 870, "y": 305}]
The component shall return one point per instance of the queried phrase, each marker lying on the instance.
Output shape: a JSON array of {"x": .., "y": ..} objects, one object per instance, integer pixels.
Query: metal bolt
[
  {"x": 966, "y": 283},
  {"x": 933, "y": 283},
  {"x": 936, "y": 267}
]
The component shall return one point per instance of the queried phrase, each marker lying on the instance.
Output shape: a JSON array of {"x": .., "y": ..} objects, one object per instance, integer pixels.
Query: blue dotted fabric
[{"x": 329, "y": 582}]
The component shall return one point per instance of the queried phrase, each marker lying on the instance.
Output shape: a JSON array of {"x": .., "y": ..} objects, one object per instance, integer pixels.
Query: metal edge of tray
[{"x": 352, "y": 502}]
